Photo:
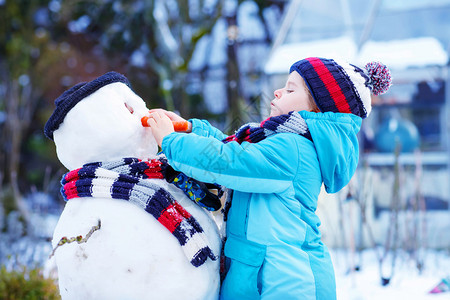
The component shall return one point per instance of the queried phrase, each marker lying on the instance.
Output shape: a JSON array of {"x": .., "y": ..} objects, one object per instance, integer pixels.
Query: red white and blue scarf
[
  {"x": 126, "y": 179},
  {"x": 292, "y": 122}
]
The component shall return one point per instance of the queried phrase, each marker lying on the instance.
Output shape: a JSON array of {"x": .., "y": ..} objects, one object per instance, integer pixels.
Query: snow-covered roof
[
  {"x": 403, "y": 54},
  {"x": 285, "y": 55},
  {"x": 397, "y": 54}
]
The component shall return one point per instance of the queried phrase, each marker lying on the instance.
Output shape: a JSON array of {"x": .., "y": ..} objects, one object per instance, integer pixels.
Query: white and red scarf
[{"x": 126, "y": 179}]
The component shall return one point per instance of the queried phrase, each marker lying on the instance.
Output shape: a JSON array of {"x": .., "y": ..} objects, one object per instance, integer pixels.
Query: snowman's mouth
[{"x": 130, "y": 109}]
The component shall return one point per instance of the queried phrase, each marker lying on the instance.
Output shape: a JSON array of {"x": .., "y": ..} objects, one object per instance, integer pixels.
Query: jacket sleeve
[
  {"x": 204, "y": 128},
  {"x": 265, "y": 167}
]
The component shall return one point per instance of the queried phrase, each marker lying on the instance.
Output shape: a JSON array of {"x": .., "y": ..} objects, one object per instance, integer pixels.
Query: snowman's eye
[{"x": 129, "y": 108}]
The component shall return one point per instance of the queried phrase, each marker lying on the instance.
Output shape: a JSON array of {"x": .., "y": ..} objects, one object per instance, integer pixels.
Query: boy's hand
[
  {"x": 172, "y": 116},
  {"x": 161, "y": 126}
]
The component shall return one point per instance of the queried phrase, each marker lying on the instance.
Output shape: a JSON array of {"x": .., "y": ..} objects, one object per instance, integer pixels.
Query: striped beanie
[
  {"x": 343, "y": 87},
  {"x": 71, "y": 97}
]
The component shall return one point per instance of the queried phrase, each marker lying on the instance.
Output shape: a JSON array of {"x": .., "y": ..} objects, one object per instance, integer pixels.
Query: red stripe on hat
[{"x": 331, "y": 84}]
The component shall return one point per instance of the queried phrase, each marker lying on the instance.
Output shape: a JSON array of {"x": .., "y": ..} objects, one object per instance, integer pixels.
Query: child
[{"x": 276, "y": 170}]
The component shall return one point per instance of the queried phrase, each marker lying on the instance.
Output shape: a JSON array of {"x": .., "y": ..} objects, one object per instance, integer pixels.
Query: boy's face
[{"x": 293, "y": 96}]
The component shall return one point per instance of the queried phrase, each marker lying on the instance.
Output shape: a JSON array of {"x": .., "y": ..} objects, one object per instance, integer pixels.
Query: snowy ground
[{"x": 406, "y": 282}]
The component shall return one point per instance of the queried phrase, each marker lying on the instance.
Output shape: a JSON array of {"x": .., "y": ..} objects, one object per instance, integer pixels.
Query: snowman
[{"x": 125, "y": 232}]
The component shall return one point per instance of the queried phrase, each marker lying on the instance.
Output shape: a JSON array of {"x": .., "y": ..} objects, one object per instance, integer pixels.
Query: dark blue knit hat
[
  {"x": 343, "y": 87},
  {"x": 71, "y": 97}
]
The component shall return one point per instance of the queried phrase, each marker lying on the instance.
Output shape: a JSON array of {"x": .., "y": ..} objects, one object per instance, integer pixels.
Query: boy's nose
[{"x": 277, "y": 93}]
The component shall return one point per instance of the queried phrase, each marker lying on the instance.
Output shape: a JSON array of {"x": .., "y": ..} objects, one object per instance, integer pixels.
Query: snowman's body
[{"x": 132, "y": 255}]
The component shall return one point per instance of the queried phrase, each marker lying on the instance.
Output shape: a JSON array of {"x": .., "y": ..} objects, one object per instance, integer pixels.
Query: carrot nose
[
  {"x": 179, "y": 126},
  {"x": 144, "y": 121}
]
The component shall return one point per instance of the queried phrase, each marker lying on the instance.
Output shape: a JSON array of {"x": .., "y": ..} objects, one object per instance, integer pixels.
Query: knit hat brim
[
  {"x": 71, "y": 97},
  {"x": 330, "y": 86}
]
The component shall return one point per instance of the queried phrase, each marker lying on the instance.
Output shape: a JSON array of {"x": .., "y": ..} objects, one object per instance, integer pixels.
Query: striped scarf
[
  {"x": 125, "y": 179},
  {"x": 256, "y": 132}
]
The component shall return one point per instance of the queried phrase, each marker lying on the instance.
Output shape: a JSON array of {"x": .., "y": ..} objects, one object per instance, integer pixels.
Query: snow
[
  {"x": 285, "y": 55},
  {"x": 123, "y": 255},
  {"x": 100, "y": 128},
  {"x": 396, "y": 54},
  {"x": 406, "y": 283},
  {"x": 402, "y": 54},
  {"x": 132, "y": 255}
]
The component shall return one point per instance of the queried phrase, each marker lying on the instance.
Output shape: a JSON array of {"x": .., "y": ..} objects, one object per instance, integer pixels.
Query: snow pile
[{"x": 406, "y": 283}]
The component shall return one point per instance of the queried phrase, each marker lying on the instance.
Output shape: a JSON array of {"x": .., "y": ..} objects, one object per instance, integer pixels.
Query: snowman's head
[{"x": 100, "y": 121}]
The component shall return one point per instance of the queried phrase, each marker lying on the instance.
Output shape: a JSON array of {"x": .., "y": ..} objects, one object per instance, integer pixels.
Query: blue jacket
[{"x": 273, "y": 238}]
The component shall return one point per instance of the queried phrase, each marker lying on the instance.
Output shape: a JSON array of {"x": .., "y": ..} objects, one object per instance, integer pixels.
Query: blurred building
[{"x": 411, "y": 37}]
